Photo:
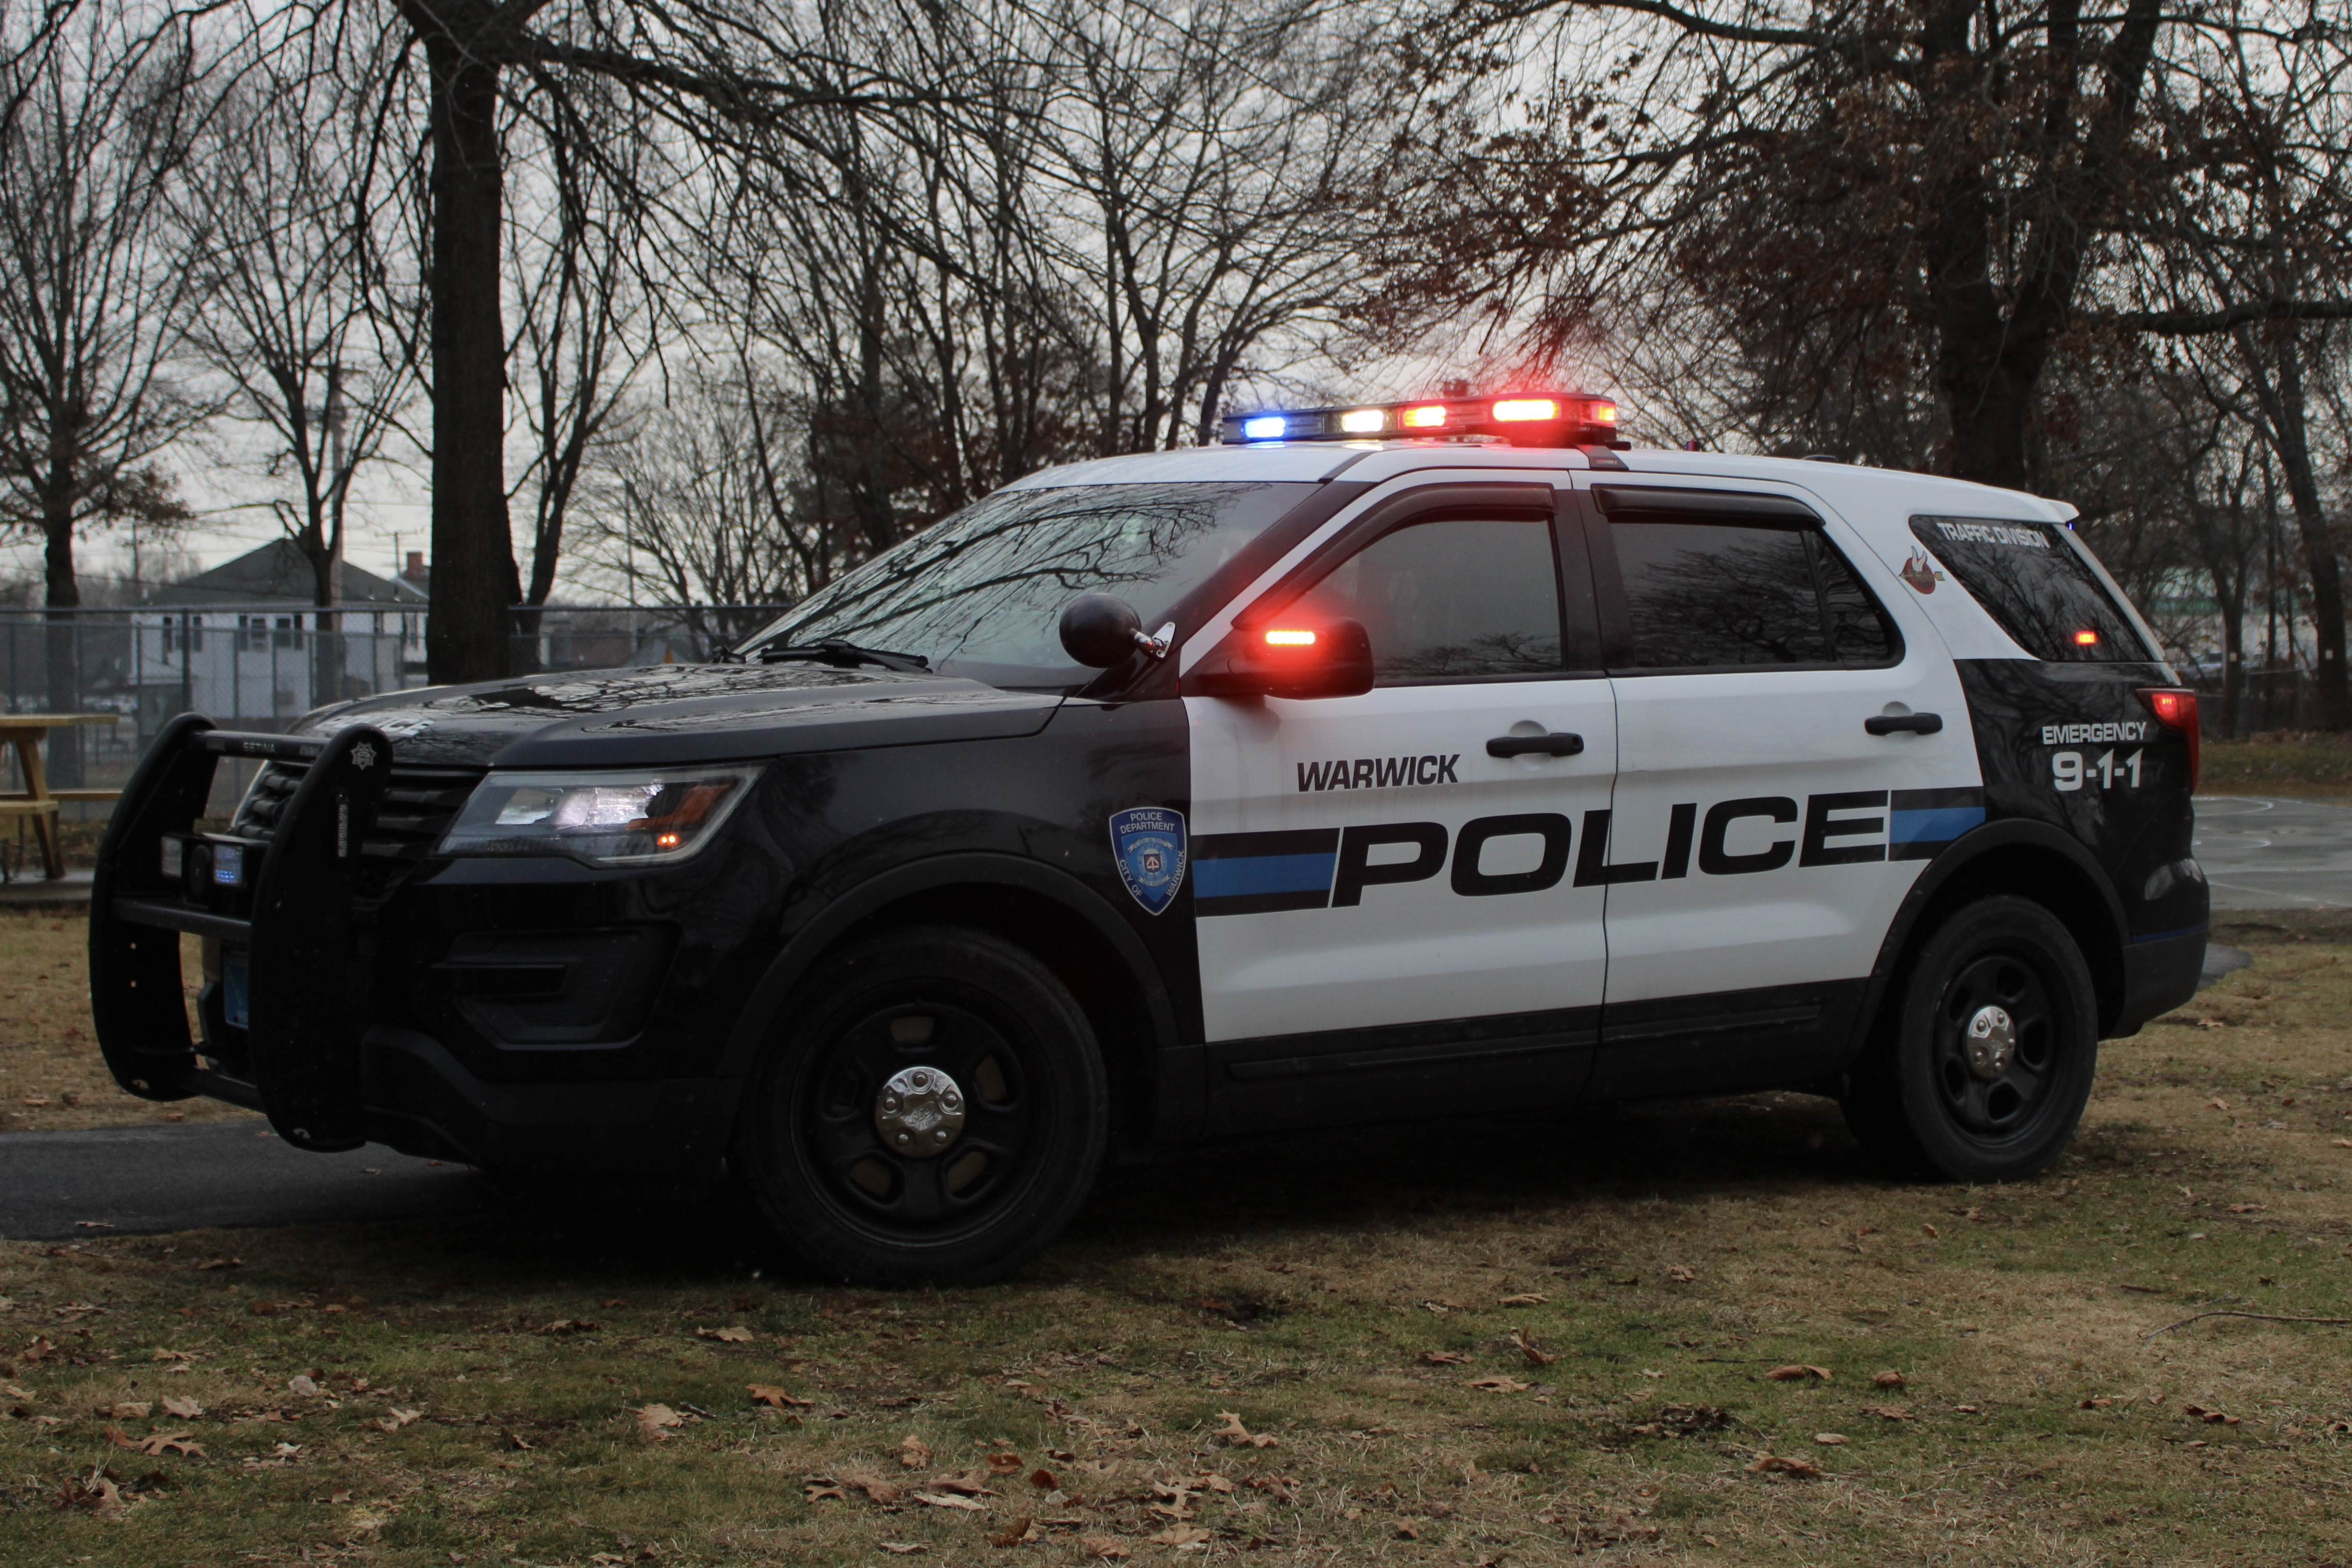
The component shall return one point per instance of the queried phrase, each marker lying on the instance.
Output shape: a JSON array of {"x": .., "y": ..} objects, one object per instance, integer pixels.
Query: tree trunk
[
  {"x": 62, "y": 654},
  {"x": 474, "y": 574},
  {"x": 2284, "y": 418}
]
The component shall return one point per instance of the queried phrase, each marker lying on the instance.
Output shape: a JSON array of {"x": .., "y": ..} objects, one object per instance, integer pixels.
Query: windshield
[{"x": 981, "y": 593}]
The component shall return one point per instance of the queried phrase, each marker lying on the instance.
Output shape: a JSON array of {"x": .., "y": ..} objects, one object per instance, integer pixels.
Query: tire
[
  {"x": 836, "y": 1141},
  {"x": 1925, "y": 1104}
]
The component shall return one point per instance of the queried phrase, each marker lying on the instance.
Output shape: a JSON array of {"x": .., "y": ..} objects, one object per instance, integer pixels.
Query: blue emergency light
[{"x": 1523, "y": 419}]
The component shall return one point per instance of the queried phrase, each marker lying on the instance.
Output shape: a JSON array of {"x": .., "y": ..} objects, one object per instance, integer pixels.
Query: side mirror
[
  {"x": 1100, "y": 629},
  {"x": 1333, "y": 659}
]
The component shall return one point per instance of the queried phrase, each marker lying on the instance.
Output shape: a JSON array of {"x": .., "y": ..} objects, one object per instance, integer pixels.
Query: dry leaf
[
  {"x": 220, "y": 1263},
  {"x": 948, "y": 1499},
  {"x": 121, "y": 1439},
  {"x": 1233, "y": 1433},
  {"x": 1681, "y": 1275},
  {"x": 1888, "y": 1412},
  {"x": 1932, "y": 1233},
  {"x": 186, "y": 1409},
  {"x": 398, "y": 1419},
  {"x": 1443, "y": 1358},
  {"x": 653, "y": 1421},
  {"x": 1043, "y": 1481},
  {"x": 2216, "y": 1417},
  {"x": 915, "y": 1454},
  {"x": 1004, "y": 1464},
  {"x": 172, "y": 1442},
  {"x": 2248, "y": 1208},
  {"x": 562, "y": 1327},
  {"x": 1015, "y": 1533},
  {"x": 129, "y": 1410},
  {"x": 2097, "y": 1402},
  {"x": 1181, "y": 1535},
  {"x": 515, "y": 1440},
  {"x": 775, "y": 1398},
  {"x": 1101, "y": 1546},
  {"x": 1527, "y": 1299},
  {"x": 738, "y": 1335},
  {"x": 1796, "y": 1372},
  {"x": 880, "y": 1493},
  {"x": 1776, "y": 1464},
  {"x": 1501, "y": 1385},
  {"x": 1526, "y": 1347},
  {"x": 1890, "y": 1378},
  {"x": 1829, "y": 1440},
  {"x": 303, "y": 1386},
  {"x": 816, "y": 1489},
  {"x": 902, "y": 1547}
]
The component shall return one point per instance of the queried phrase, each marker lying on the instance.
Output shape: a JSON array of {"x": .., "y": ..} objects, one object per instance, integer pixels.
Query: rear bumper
[{"x": 2159, "y": 975}]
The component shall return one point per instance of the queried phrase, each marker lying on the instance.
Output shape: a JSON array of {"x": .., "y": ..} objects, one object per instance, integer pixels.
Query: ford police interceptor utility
[{"x": 1376, "y": 763}]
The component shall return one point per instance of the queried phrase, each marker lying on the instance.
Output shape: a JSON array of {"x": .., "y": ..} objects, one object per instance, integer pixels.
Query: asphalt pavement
[
  {"x": 2262, "y": 853},
  {"x": 189, "y": 1178}
]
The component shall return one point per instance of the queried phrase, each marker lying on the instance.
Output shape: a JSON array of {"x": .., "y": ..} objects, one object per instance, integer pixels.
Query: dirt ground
[{"x": 1702, "y": 1332}]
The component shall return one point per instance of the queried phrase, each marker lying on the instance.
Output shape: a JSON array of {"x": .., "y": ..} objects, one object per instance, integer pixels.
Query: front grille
[{"x": 418, "y": 805}]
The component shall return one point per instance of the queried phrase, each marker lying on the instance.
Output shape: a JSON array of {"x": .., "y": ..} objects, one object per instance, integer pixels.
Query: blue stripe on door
[
  {"x": 1939, "y": 826},
  {"x": 1262, "y": 873}
]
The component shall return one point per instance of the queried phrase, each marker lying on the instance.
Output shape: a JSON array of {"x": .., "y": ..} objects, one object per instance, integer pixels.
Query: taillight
[{"x": 2177, "y": 709}]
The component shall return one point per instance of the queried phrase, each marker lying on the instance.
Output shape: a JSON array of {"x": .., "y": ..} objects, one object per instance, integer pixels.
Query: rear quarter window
[{"x": 2030, "y": 579}]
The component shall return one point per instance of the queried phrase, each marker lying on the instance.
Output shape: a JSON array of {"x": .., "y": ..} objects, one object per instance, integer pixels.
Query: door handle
[
  {"x": 1899, "y": 724},
  {"x": 1558, "y": 743}
]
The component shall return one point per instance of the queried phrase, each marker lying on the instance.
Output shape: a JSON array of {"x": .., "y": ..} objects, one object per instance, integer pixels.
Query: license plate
[{"x": 235, "y": 988}]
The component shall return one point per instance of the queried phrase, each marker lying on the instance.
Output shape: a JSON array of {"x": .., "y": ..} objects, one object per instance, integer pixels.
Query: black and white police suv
[{"x": 1376, "y": 763}]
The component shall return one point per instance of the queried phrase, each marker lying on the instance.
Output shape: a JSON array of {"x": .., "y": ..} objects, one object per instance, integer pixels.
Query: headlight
[{"x": 638, "y": 817}]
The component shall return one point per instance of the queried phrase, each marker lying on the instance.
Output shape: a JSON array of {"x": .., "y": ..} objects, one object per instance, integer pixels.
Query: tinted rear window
[{"x": 2030, "y": 579}]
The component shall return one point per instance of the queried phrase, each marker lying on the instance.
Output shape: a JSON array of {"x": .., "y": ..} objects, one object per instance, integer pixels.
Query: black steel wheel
[
  {"x": 1984, "y": 1061},
  {"x": 934, "y": 1110}
]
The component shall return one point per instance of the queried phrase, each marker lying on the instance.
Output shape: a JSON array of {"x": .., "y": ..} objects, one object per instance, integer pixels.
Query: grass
[
  {"x": 1343, "y": 1296},
  {"x": 2298, "y": 762}
]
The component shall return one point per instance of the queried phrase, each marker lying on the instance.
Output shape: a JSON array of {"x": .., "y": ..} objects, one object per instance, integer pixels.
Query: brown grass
[{"x": 1682, "y": 1252}]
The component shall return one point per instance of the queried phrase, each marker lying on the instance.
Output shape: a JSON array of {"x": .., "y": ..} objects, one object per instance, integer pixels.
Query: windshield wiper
[{"x": 842, "y": 654}]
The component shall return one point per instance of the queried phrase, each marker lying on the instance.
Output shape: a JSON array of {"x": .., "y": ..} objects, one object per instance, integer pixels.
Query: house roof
[{"x": 278, "y": 573}]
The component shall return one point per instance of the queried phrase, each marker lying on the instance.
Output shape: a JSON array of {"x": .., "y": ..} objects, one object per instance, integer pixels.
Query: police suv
[{"x": 1377, "y": 763}]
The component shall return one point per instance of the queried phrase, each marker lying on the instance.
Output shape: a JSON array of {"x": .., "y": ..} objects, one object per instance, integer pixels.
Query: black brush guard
[{"x": 287, "y": 900}]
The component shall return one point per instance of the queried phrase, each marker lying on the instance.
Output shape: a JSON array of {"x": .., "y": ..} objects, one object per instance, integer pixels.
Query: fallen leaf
[
  {"x": 818, "y": 1490},
  {"x": 1015, "y": 1533},
  {"x": 1443, "y": 1358},
  {"x": 129, "y": 1409},
  {"x": 1529, "y": 1299},
  {"x": 2218, "y": 1103},
  {"x": 2095, "y": 1403},
  {"x": 220, "y": 1263},
  {"x": 186, "y": 1409},
  {"x": 173, "y": 1442},
  {"x": 902, "y": 1547},
  {"x": 2248, "y": 1208},
  {"x": 1181, "y": 1535},
  {"x": 878, "y": 1492},
  {"x": 565, "y": 1327},
  {"x": 1500, "y": 1384},
  {"x": 1890, "y": 1378},
  {"x": 515, "y": 1440},
  {"x": 302, "y": 1384},
  {"x": 2215, "y": 1417},
  {"x": 1829, "y": 1440},
  {"x": 1966, "y": 1409},
  {"x": 1797, "y": 1371},
  {"x": 1234, "y": 1435},
  {"x": 1932, "y": 1232},
  {"x": 1004, "y": 1464},
  {"x": 653, "y": 1421},
  {"x": 737, "y": 1335},
  {"x": 1682, "y": 1276},
  {"x": 1777, "y": 1464},
  {"x": 1888, "y": 1412},
  {"x": 776, "y": 1399},
  {"x": 121, "y": 1439},
  {"x": 1102, "y": 1546},
  {"x": 915, "y": 1454},
  {"x": 948, "y": 1499},
  {"x": 397, "y": 1418},
  {"x": 1527, "y": 1347}
]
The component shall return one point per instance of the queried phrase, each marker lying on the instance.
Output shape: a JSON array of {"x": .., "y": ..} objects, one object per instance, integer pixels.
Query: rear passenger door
[{"x": 1762, "y": 834}]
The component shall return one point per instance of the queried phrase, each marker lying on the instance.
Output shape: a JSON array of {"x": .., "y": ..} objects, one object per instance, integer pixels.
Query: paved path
[
  {"x": 210, "y": 1174},
  {"x": 2262, "y": 853}
]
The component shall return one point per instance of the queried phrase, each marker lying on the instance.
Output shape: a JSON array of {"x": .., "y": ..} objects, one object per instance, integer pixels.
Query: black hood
[{"x": 684, "y": 713}]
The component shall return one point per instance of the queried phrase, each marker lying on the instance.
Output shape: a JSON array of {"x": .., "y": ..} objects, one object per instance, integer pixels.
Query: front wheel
[
  {"x": 1994, "y": 1041},
  {"x": 934, "y": 1110}
]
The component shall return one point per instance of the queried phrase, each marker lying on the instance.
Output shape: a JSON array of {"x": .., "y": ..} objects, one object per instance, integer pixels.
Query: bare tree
[{"x": 88, "y": 305}]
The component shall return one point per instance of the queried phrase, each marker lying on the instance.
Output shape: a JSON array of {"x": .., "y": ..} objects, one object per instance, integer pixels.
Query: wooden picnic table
[{"x": 26, "y": 731}]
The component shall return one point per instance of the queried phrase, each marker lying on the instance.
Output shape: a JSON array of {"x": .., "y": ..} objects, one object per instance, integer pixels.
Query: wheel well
[
  {"x": 1080, "y": 957},
  {"x": 2050, "y": 880}
]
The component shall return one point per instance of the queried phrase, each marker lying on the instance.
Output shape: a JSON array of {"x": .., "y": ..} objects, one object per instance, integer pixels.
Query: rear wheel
[
  {"x": 934, "y": 1110},
  {"x": 1992, "y": 1045}
]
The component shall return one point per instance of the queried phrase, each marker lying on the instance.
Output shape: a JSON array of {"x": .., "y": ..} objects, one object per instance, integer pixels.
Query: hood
[{"x": 683, "y": 714}]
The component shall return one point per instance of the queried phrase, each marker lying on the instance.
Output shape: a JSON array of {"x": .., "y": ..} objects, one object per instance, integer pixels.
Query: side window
[
  {"x": 2032, "y": 581},
  {"x": 1719, "y": 593},
  {"x": 1451, "y": 598}
]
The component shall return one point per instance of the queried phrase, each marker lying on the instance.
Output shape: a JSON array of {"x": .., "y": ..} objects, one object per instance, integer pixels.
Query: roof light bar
[{"x": 1525, "y": 419}]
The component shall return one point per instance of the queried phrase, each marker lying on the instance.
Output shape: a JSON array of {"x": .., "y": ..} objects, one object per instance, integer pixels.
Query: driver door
[{"x": 1392, "y": 918}]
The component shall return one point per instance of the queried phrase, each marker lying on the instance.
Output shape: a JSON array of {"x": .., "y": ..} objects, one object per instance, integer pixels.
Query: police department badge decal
[{"x": 1147, "y": 842}]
